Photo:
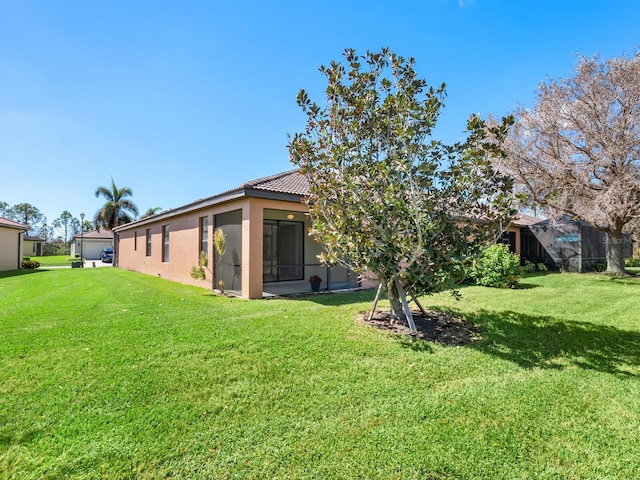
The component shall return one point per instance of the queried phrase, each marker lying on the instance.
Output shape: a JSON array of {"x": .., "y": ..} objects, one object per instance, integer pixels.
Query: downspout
[{"x": 20, "y": 242}]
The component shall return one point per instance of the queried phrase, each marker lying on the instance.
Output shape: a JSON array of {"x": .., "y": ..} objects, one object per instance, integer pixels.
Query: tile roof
[
  {"x": 292, "y": 182},
  {"x": 524, "y": 220},
  {"x": 107, "y": 234},
  {"x": 5, "y": 222}
]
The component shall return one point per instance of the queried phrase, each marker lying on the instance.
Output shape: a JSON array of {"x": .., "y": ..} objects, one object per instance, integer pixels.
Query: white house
[{"x": 91, "y": 243}]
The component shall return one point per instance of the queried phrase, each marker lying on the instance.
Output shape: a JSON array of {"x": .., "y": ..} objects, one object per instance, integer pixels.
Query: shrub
[
  {"x": 199, "y": 272},
  {"x": 528, "y": 267},
  {"x": 601, "y": 266},
  {"x": 497, "y": 267},
  {"x": 632, "y": 262},
  {"x": 542, "y": 267},
  {"x": 30, "y": 264}
]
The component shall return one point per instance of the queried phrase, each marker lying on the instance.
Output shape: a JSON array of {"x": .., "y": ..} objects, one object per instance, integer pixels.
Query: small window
[
  {"x": 165, "y": 243},
  {"x": 204, "y": 235},
  {"x": 135, "y": 241},
  {"x": 148, "y": 242}
]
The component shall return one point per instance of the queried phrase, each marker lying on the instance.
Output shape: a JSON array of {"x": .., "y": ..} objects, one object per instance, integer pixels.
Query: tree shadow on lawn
[
  {"x": 24, "y": 271},
  {"x": 547, "y": 342},
  {"x": 633, "y": 280},
  {"x": 334, "y": 297}
]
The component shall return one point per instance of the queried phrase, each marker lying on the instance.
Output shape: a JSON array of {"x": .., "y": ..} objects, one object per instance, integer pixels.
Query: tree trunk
[
  {"x": 615, "y": 259},
  {"x": 394, "y": 299}
]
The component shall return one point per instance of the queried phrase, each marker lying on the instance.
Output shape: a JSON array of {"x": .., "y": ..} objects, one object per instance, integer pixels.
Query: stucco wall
[
  {"x": 31, "y": 248},
  {"x": 184, "y": 245},
  {"x": 10, "y": 249}
]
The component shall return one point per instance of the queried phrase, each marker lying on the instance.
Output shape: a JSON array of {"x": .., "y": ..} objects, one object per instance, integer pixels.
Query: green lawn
[
  {"x": 55, "y": 260},
  {"x": 112, "y": 374}
]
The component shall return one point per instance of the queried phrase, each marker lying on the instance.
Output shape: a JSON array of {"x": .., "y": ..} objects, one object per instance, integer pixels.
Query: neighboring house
[
  {"x": 11, "y": 238},
  {"x": 268, "y": 249},
  {"x": 32, "y": 246},
  {"x": 563, "y": 244},
  {"x": 91, "y": 243}
]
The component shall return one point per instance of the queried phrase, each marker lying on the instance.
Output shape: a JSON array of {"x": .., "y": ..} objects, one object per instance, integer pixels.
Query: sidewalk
[{"x": 87, "y": 264}]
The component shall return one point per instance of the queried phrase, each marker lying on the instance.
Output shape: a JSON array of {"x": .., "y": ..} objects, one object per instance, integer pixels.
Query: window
[
  {"x": 204, "y": 235},
  {"x": 148, "y": 242},
  {"x": 282, "y": 250},
  {"x": 135, "y": 241},
  {"x": 165, "y": 243}
]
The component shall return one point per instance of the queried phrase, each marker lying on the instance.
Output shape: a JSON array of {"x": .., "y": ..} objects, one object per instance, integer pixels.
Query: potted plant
[{"x": 315, "y": 282}]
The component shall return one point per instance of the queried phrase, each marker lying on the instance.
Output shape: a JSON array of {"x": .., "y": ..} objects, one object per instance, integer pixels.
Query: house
[
  {"x": 268, "y": 249},
  {"x": 91, "y": 243},
  {"x": 561, "y": 244},
  {"x": 11, "y": 240},
  {"x": 32, "y": 246}
]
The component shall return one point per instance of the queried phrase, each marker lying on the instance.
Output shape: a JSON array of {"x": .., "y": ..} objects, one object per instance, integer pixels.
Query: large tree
[
  {"x": 117, "y": 210},
  {"x": 577, "y": 151},
  {"x": 384, "y": 195},
  {"x": 27, "y": 214},
  {"x": 65, "y": 225},
  {"x": 4, "y": 209}
]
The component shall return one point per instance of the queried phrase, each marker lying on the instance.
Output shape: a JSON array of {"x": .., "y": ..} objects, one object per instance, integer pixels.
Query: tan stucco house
[
  {"x": 11, "y": 239},
  {"x": 91, "y": 243},
  {"x": 269, "y": 251},
  {"x": 32, "y": 246}
]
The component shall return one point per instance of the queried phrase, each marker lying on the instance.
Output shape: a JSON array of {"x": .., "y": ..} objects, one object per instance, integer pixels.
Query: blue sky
[{"x": 183, "y": 100}]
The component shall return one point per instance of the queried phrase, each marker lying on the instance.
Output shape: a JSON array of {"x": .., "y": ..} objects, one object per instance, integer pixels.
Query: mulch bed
[{"x": 433, "y": 327}]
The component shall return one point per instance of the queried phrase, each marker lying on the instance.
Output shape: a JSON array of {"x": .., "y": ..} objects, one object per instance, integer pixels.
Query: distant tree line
[{"x": 57, "y": 235}]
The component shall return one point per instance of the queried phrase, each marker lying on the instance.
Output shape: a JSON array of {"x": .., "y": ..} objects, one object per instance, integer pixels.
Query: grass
[
  {"x": 55, "y": 260},
  {"x": 112, "y": 374}
]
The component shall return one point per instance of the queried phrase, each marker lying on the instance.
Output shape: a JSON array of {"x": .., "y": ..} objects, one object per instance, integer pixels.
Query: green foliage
[
  {"x": 386, "y": 196},
  {"x": 220, "y": 244},
  {"x": 199, "y": 272},
  {"x": 497, "y": 267},
  {"x": 150, "y": 212},
  {"x": 530, "y": 267},
  {"x": 600, "y": 266},
  {"x": 54, "y": 248},
  {"x": 632, "y": 262},
  {"x": 30, "y": 264},
  {"x": 117, "y": 210}
]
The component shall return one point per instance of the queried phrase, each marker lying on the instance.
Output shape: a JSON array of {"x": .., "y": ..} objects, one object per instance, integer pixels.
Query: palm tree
[
  {"x": 151, "y": 211},
  {"x": 117, "y": 210}
]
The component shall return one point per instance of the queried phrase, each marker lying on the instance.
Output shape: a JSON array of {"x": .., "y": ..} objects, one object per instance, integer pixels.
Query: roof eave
[{"x": 213, "y": 201}]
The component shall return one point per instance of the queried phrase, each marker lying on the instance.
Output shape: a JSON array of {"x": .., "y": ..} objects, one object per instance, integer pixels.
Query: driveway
[{"x": 96, "y": 263}]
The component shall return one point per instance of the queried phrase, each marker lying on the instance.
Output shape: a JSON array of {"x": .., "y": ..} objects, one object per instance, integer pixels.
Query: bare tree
[
  {"x": 577, "y": 151},
  {"x": 64, "y": 225}
]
